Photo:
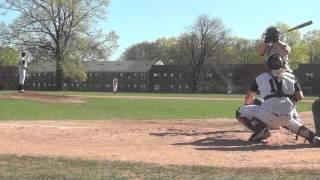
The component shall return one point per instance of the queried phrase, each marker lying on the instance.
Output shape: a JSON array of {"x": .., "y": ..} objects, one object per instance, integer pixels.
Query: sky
[{"x": 136, "y": 21}]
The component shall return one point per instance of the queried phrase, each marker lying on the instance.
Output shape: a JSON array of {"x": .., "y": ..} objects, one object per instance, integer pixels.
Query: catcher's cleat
[
  {"x": 260, "y": 135},
  {"x": 316, "y": 140}
]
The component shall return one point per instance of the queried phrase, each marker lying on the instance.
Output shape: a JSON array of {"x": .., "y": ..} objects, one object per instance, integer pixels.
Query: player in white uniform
[
  {"x": 272, "y": 45},
  {"x": 280, "y": 91},
  {"x": 115, "y": 85},
  {"x": 22, "y": 68}
]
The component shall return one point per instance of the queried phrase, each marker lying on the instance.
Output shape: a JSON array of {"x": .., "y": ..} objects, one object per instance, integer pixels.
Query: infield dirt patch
[{"x": 216, "y": 142}]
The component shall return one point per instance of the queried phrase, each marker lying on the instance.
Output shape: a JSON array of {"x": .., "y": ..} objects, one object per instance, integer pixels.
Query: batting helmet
[{"x": 272, "y": 35}]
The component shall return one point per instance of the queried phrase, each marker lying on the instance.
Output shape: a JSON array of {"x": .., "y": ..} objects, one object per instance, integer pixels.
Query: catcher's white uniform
[{"x": 276, "y": 110}]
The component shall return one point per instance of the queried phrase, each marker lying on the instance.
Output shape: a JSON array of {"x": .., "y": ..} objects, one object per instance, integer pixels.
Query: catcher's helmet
[
  {"x": 272, "y": 35},
  {"x": 275, "y": 62}
]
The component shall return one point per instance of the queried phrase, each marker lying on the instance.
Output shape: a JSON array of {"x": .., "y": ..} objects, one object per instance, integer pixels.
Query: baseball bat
[{"x": 298, "y": 26}]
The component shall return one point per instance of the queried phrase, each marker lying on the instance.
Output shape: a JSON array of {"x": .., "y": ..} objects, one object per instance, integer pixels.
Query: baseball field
[{"x": 73, "y": 135}]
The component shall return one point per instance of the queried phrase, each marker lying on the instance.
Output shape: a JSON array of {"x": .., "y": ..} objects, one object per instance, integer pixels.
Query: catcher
[{"x": 280, "y": 91}]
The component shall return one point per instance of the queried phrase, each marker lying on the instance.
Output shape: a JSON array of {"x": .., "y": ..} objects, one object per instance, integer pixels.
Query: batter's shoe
[{"x": 260, "y": 135}]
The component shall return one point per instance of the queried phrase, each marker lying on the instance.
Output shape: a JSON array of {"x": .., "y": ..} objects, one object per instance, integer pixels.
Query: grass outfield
[
  {"x": 108, "y": 108},
  {"x": 25, "y": 167}
]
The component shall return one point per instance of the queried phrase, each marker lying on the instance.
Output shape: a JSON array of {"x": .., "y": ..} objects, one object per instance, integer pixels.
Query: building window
[
  {"x": 134, "y": 86},
  {"x": 209, "y": 75},
  {"x": 171, "y": 86},
  {"x": 165, "y": 75},
  {"x": 186, "y": 86},
  {"x": 142, "y": 86},
  {"x": 171, "y": 75},
  {"x": 156, "y": 75},
  {"x": 129, "y": 76},
  {"x": 121, "y": 75},
  {"x": 309, "y": 76},
  {"x": 180, "y": 75},
  {"x": 156, "y": 87},
  {"x": 135, "y": 75},
  {"x": 142, "y": 75}
]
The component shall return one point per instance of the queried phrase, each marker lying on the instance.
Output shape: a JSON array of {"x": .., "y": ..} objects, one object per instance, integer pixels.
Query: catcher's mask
[
  {"x": 272, "y": 35},
  {"x": 275, "y": 64}
]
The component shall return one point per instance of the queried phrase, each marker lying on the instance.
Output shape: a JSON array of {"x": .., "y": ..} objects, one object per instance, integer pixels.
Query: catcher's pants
[
  {"x": 22, "y": 75},
  {"x": 273, "y": 121}
]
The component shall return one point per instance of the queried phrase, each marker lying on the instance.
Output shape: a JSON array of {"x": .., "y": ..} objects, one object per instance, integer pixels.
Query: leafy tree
[
  {"x": 52, "y": 29},
  {"x": 205, "y": 37},
  {"x": 242, "y": 51},
  {"x": 312, "y": 39},
  {"x": 164, "y": 49},
  {"x": 8, "y": 56}
]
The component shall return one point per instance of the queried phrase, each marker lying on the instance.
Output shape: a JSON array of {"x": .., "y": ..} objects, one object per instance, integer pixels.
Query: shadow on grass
[{"x": 224, "y": 144}]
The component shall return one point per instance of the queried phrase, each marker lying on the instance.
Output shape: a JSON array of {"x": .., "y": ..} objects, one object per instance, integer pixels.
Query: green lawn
[
  {"x": 123, "y": 108},
  {"x": 25, "y": 167}
]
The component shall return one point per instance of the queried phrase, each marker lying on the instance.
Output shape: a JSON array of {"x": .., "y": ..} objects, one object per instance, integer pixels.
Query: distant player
[
  {"x": 22, "y": 69},
  {"x": 115, "y": 85},
  {"x": 280, "y": 91}
]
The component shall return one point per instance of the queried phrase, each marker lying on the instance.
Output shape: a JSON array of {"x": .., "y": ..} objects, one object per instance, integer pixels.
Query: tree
[
  {"x": 242, "y": 51},
  {"x": 312, "y": 39},
  {"x": 54, "y": 28},
  {"x": 8, "y": 56},
  {"x": 164, "y": 49},
  {"x": 201, "y": 42}
]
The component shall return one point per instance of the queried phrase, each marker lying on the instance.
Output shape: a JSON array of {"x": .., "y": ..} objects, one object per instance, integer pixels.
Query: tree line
[{"x": 64, "y": 32}]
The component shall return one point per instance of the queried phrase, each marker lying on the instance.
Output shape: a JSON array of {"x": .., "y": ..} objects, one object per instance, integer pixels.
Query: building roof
[{"x": 101, "y": 66}]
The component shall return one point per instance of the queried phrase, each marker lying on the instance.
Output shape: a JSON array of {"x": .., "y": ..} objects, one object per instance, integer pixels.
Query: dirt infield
[{"x": 219, "y": 142}]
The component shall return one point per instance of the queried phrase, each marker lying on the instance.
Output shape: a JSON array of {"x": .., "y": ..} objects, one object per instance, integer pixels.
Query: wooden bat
[{"x": 298, "y": 26}]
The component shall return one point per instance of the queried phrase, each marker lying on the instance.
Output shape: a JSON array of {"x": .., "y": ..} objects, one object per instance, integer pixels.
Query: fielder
[
  {"x": 115, "y": 85},
  {"x": 280, "y": 91},
  {"x": 22, "y": 68}
]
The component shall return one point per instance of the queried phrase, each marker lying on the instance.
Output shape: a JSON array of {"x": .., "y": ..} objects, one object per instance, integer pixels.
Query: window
[
  {"x": 135, "y": 75},
  {"x": 156, "y": 87},
  {"x": 165, "y": 75},
  {"x": 121, "y": 75},
  {"x": 156, "y": 75},
  {"x": 129, "y": 76},
  {"x": 171, "y": 86},
  {"x": 309, "y": 76},
  {"x": 209, "y": 75},
  {"x": 171, "y": 75},
  {"x": 142, "y": 75},
  {"x": 142, "y": 86},
  {"x": 180, "y": 75}
]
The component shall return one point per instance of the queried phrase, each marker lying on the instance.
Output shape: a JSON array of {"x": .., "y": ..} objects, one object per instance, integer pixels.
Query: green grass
[
  {"x": 122, "y": 108},
  {"x": 25, "y": 167}
]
